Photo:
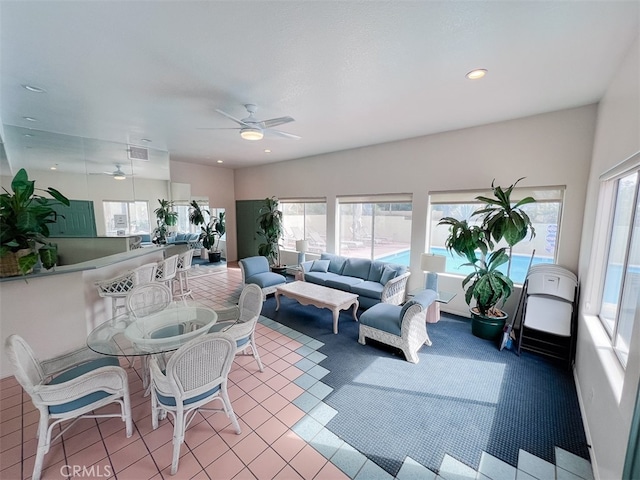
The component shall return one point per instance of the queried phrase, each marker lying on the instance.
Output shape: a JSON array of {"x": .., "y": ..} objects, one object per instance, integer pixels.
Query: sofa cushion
[
  {"x": 336, "y": 262},
  {"x": 320, "y": 266},
  {"x": 357, "y": 267},
  {"x": 388, "y": 273},
  {"x": 253, "y": 265},
  {"x": 375, "y": 272},
  {"x": 266, "y": 279},
  {"x": 383, "y": 316},
  {"x": 343, "y": 283},
  {"x": 368, "y": 289}
]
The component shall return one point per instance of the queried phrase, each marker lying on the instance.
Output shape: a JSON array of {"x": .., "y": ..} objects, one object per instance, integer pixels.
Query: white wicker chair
[
  {"x": 166, "y": 270},
  {"x": 68, "y": 387},
  {"x": 149, "y": 298},
  {"x": 182, "y": 275},
  {"x": 401, "y": 327},
  {"x": 196, "y": 374},
  {"x": 240, "y": 321},
  {"x": 117, "y": 288}
]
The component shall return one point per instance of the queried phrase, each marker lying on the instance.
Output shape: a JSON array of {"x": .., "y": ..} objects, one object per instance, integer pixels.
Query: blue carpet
[{"x": 464, "y": 397}]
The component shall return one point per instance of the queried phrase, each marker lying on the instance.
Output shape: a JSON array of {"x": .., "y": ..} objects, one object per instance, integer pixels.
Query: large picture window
[
  {"x": 126, "y": 218},
  {"x": 376, "y": 227},
  {"x": 621, "y": 286},
  {"x": 545, "y": 215},
  {"x": 305, "y": 220}
]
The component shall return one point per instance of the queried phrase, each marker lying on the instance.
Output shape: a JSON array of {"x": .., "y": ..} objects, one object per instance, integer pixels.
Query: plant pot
[
  {"x": 281, "y": 269},
  {"x": 489, "y": 328},
  {"x": 9, "y": 263},
  {"x": 214, "y": 257}
]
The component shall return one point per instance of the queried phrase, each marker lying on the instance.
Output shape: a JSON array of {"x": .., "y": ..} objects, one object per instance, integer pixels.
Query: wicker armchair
[
  {"x": 402, "y": 327},
  {"x": 196, "y": 374},
  {"x": 68, "y": 387},
  {"x": 240, "y": 321}
]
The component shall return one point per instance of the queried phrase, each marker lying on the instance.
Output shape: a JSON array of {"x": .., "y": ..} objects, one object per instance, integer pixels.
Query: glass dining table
[{"x": 129, "y": 335}]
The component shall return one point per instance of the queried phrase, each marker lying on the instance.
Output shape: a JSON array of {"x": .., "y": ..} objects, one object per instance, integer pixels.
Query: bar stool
[
  {"x": 117, "y": 288},
  {"x": 166, "y": 270},
  {"x": 182, "y": 275}
]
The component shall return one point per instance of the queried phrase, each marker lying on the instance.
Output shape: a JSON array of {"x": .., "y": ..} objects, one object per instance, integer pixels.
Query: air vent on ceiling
[{"x": 138, "y": 153}]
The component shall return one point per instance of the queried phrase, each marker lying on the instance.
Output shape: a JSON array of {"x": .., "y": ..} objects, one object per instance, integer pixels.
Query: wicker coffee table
[{"x": 307, "y": 293}]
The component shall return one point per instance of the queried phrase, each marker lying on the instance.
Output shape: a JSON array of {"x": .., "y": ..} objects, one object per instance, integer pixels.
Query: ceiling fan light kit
[
  {"x": 253, "y": 129},
  {"x": 251, "y": 133}
]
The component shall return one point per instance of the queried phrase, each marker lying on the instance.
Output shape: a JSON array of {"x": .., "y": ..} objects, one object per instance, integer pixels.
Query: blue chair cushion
[
  {"x": 76, "y": 372},
  {"x": 343, "y": 283},
  {"x": 383, "y": 316},
  {"x": 171, "y": 401},
  {"x": 368, "y": 289},
  {"x": 388, "y": 273},
  {"x": 254, "y": 265},
  {"x": 320, "y": 266},
  {"x": 222, "y": 326},
  {"x": 375, "y": 272},
  {"x": 266, "y": 279},
  {"x": 357, "y": 267},
  {"x": 319, "y": 278},
  {"x": 167, "y": 332},
  {"x": 336, "y": 262}
]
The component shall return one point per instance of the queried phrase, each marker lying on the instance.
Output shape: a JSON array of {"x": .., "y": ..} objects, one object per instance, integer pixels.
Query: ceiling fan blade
[
  {"x": 218, "y": 128},
  {"x": 237, "y": 120},
  {"x": 283, "y": 134},
  {"x": 274, "y": 122}
]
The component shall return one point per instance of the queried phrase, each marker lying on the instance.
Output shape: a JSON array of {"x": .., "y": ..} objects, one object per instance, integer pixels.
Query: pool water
[{"x": 519, "y": 263}]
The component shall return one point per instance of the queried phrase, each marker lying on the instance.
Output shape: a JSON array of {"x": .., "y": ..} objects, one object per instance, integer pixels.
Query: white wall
[
  {"x": 607, "y": 391},
  {"x": 217, "y": 184},
  {"x": 549, "y": 149}
]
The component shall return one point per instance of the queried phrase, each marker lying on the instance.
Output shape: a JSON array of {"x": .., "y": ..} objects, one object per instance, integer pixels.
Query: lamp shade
[
  {"x": 302, "y": 246},
  {"x": 432, "y": 263}
]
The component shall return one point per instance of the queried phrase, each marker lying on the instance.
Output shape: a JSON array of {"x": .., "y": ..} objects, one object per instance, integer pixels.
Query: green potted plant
[
  {"x": 166, "y": 217},
  {"x": 24, "y": 220},
  {"x": 210, "y": 236},
  {"x": 499, "y": 219},
  {"x": 271, "y": 230},
  {"x": 197, "y": 218}
]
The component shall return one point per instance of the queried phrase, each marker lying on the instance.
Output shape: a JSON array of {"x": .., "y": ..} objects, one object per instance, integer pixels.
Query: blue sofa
[
  {"x": 191, "y": 239},
  {"x": 373, "y": 281}
]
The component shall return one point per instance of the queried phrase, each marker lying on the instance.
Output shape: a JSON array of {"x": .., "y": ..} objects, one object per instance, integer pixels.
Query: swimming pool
[{"x": 519, "y": 263}]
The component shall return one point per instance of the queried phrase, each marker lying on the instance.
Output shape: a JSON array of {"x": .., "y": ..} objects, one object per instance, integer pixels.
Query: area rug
[{"x": 463, "y": 397}]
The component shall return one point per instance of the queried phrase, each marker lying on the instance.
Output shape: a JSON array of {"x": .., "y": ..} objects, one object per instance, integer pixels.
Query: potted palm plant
[
  {"x": 196, "y": 217},
  {"x": 500, "y": 219},
  {"x": 166, "y": 217},
  {"x": 271, "y": 230},
  {"x": 210, "y": 236},
  {"x": 24, "y": 220}
]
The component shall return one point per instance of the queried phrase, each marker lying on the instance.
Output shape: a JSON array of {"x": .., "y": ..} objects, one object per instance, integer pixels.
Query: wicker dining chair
[
  {"x": 195, "y": 375},
  {"x": 117, "y": 288},
  {"x": 240, "y": 321},
  {"x": 68, "y": 387},
  {"x": 149, "y": 298}
]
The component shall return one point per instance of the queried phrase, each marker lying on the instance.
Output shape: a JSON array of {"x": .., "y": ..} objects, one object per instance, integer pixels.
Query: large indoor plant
[
  {"x": 271, "y": 230},
  {"x": 197, "y": 218},
  {"x": 24, "y": 220},
  {"x": 499, "y": 220},
  {"x": 166, "y": 217},
  {"x": 210, "y": 236}
]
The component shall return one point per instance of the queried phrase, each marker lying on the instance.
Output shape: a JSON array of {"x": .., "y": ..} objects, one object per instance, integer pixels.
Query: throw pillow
[
  {"x": 320, "y": 266},
  {"x": 388, "y": 273}
]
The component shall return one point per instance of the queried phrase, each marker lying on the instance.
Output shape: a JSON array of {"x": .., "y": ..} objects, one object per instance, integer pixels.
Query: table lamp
[
  {"x": 432, "y": 264},
  {"x": 301, "y": 247}
]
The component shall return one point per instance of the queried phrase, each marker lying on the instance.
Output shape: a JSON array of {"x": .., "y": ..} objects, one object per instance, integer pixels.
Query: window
[
  {"x": 126, "y": 217},
  {"x": 183, "y": 209},
  {"x": 304, "y": 220},
  {"x": 376, "y": 227},
  {"x": 621, "y": 286},
  {"x": 545, "y": 215}
]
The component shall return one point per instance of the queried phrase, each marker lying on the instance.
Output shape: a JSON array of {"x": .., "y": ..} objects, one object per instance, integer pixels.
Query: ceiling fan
[
  {"x": 253, "y": 129},
  {"x": 118, "y": 174}
]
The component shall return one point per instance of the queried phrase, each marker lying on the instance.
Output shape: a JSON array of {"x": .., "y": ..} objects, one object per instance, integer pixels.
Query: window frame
[{"x": 128, "y": 204}]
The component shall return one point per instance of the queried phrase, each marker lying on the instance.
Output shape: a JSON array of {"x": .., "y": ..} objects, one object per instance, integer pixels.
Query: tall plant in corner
[
  {"x": 271, "y": 230},
  {"x": 24, "y": 220},
  {"x": 500, "y": 219}
]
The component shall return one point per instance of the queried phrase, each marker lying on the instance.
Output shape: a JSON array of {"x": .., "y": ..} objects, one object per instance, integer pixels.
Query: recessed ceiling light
[
  {"x": 30, "y": 119},
  {"x": 266, "y": 150},
  {"x": 53, "y": 168},
  {"x": 28, "y": 135},
  {"x": 146, "y": 140},
  {"x": 219, "y": 161},
  {"x": 33, "y": 89},
  {"x": 476, "y": 74}
]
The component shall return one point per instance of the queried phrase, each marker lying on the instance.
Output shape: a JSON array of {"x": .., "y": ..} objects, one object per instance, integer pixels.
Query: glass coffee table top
[{"x": 443, "y": 296}]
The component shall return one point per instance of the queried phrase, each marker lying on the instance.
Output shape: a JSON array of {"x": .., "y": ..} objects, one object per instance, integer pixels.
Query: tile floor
[{"x": 281, "y": 413}]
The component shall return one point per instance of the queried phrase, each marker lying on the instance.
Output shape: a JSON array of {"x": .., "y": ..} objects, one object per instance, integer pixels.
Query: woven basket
[{"x": 9, "y": 263}]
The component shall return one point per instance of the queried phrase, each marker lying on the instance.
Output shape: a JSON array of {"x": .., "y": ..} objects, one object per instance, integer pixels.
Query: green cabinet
[{"x": 248, "y": 240}]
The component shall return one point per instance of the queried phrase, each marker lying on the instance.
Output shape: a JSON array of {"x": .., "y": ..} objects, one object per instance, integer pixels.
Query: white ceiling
[{"x": 351, "y": 73}]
